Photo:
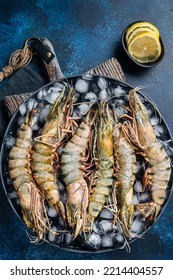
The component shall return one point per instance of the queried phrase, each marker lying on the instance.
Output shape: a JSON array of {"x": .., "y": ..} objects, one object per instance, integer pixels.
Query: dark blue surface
[{"x": 84, "y": 34}]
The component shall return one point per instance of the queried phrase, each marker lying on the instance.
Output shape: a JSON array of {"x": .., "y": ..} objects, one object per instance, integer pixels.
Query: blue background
[{"x": 84, "y": 34}]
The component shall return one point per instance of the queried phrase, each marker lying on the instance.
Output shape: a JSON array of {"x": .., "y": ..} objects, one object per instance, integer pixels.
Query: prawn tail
[
  {"x": 126, "y": 230},
  {"x": 38, "y": 212},
  {"x": 79, "y": 223},
  {"x": 59, "y": 207},
  {"x": 149, "y": 210}
]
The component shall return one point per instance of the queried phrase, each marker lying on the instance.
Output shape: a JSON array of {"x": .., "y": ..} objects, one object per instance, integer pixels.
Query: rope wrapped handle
[{"x": 18, "y": 59}]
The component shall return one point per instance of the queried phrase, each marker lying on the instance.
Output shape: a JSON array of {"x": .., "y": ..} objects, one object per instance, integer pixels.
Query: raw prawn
[
  {"x": 104, "y": 164},
  {"x": 44, "y": 154},
  {"x": 31, "y": 199},
  {"x": 125, "y": 171},
  {"x": 73, "y": 164},
  {"x": 142, "y": 137}
]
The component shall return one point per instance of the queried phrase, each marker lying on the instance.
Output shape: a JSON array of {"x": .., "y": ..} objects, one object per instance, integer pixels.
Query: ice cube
[
  {"x": 61, "y": 222},
  {"x": 118, "y": 91},
  {"x": 103, "y": 94},
  {"x": 154, "y": 121},
  {"x": 83, "y": 109},
  {"x": 107, "y": 241},
  {"x": 95, "y": 227},
  {"x": 61, "y": 187},
  {"x": 137, "y": 226},
  {"x": 12, "y": 195},
  {"x": 106, "y": 214},
  {"x": 44, "y": 113},
  {"x": 58, "y": 86},
  {"x": 102, "y": 83},
  {"x": 32, "y": 103},
  {"x": 52, "y": 212},
  {"x": 35, "y": 127},
  {"x": 150, "y": 112},
  {"x": 10, "y": 141},
  {"x": 119, "y": 102},
  {"x": 135, "y": 199},
  {"x": 119, "y": 238},
  {"x": 139, "y": 166},
  {"x": 52, "y": 97},
  {"x": 95, "y": 239},
  {"x": 20, "y": 121},
  {"x": 138, "y": 186},
  {"x": 87, "y": 76},
  {"x": 91, "y": 96},
  {"x": 159, "y": 130},
  {"x": 54, "y": 235},
  {"x": 41, "y": 94},
  {"x": 68, "y": 238},
  {"x": 82, "y": 86},
  {"x": 119, "y": 111},
  {"x": 63, "y": 197},
  {"x": 22, "y": 109},
  {"x": 106, "y": 226},
  {"x": 144, "y": 197}
]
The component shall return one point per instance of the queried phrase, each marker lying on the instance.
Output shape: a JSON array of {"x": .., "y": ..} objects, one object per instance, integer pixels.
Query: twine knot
[{"x": 18, "y": 59}]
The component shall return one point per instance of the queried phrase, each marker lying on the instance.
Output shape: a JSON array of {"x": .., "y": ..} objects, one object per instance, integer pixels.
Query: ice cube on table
[
  {"x": 61, "y": 187},
  {"x": 103, "y": 94},
  {"x": 102, "y": 83},
  {"x": 106, "y": 214},
  {"x": 118, "y": 102},
  {"x": 63, "y": 197},
  {"x": 118, "y": 91},
  {"x": 83, "y": 109},
  {"x": 44, "y": 113},
  {"x": 91, "y": 96},
  {"x": 12, "y": 195},
  {"x": 95, "y": 239},
  {"x": 144, "y": 197},
  {"x": 52, "y": 212},
  {"x": 32, "y": 103},
  {"x": 119, "y": 238},
  {"x": 41, "y": 94},
  {"x": 82, "y": 86},
  {"x": 119, "y": 111},
  {"x": 107, "y": 241},
  {"x": 154, "y": 121},
  {"x": 35, "y": 127},
  {"x": 105, "y": 226},
  {"x": 61, "y": 222},
  {"x": 139, "y": 166},
  {"x": 58, "y": 86},
  {"x": 20, "y": 121},
  {"x": 159, "y": 130},
  {"x": 52, "y": 97},
  {"x": 87, "y": 76},
  {"x": 10, "y": 141},
  {"x": 22, "y": 109},
  {"x": 138, "y": 186},
  {"x": 54, "y": 235},
  {"x": 137, "y": 226},
  {"x": 135, "y": 199},
  {"x": 68, "y": 238},
  {"x": 95, "y": 228}
]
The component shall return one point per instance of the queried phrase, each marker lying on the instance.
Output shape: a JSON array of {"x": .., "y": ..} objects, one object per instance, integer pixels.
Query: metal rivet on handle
[{"x": 49, "y": 54}]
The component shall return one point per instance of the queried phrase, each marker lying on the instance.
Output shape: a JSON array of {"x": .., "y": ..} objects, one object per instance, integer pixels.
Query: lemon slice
[
  {"x": 145, "y": 47},
  {"x": 143, "y": 24},
  {"x": 140, "y": 30}
]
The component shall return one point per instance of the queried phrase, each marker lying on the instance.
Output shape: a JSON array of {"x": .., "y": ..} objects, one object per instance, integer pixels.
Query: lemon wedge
[
  {"x": 145, "y": 47},
  {"x": 142, "y": 24}
]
